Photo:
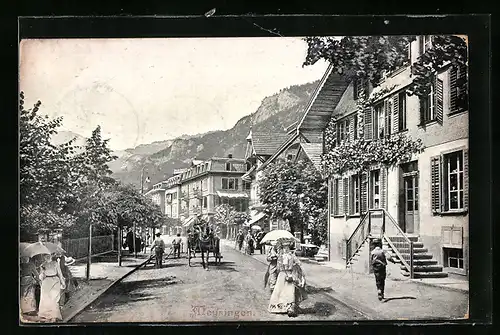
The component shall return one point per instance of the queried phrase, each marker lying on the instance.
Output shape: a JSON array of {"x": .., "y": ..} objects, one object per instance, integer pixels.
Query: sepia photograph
[{"x": 320, "y": 178}]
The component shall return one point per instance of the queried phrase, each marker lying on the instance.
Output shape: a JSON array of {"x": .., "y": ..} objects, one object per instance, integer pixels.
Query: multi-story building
[
  {"x": 199, "y": 189},
  {"x": 261, "y": 146},
  {"x": 424, "y": 201}
]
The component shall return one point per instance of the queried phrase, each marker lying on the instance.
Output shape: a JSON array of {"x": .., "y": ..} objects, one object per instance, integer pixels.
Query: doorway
[{"x": 409, "y": 200}]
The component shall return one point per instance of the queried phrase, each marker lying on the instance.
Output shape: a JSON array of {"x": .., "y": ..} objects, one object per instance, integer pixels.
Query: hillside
[{"x": 159, "y": 159}]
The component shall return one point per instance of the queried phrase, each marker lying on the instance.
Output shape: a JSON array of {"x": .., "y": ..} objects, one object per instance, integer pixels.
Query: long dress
[
  {"x": 51, "y": 289},
  {"x": 288, "y": 294},
  {"x": 29, "y": 277}
]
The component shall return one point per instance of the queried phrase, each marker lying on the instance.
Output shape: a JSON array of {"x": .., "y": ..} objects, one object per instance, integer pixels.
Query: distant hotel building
[{"x": 199, "y": 189}]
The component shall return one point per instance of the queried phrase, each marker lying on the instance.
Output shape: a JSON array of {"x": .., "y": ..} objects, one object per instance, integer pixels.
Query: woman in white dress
[
  {"x": 289, "y": 290},
  {"x": 53, "y": 283}
]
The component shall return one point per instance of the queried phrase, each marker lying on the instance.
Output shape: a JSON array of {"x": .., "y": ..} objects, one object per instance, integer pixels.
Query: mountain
[{"x": 275, "y": 113}]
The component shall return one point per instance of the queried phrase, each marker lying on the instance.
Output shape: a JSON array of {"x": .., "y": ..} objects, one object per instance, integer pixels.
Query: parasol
[
  {"x": 278, "y": 234},
  {"x": 34, "y": 249},
  {"x": 256, "y": 227},
  {"x": 54, "y": 248}
]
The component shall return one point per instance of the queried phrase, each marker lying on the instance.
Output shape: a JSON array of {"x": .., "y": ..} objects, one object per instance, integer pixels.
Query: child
[{"x": 379, "y": 260}]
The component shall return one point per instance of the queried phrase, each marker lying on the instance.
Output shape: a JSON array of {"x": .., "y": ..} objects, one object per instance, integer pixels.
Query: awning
[
  {"x": 256, "y": 218},
  {"x": 189, "y": 221},
  {"x": 232, "y": 195}
]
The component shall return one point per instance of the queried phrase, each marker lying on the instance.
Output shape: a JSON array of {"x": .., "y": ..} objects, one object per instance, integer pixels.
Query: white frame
[{"x": 459, "y": 172}]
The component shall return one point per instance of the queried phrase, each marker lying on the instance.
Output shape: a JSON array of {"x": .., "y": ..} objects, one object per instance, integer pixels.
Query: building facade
[
  {"x": 261, "y": 147},
  {"x": 426, "y": 197},
  {"x": 206, "y": 184}
]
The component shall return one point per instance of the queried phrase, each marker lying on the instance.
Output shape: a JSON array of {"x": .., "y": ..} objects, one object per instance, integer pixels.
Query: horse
[{"x": 205, "y": 240}]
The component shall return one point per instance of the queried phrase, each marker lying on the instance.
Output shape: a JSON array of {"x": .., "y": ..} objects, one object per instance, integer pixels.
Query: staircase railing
[
  {"x": 369, "y": 226},
  {"x": 357, "y": 238}
]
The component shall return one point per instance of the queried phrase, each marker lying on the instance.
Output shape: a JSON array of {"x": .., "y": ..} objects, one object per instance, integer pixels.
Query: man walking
[
  {"x": 176, "y": 242},
  {"x": 159, "y": 248},
  {"x": 239, "y": 239},
  {"x": 379, "y": 259}
]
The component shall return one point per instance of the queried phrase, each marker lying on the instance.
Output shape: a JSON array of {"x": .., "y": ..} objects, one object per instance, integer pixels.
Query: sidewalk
[
  {"x": 407, "y": 299},
  {"x": 104, "y": 272}
]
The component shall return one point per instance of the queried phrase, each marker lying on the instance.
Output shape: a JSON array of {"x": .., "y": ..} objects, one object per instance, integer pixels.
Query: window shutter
[
  {"x": 346, "y": 195},
  {"x": 453, "y": 89},
  {"x": 462, "y": 87},
  {"x": 383, "y": 187},
  {"x": 364, "y": 192},
  {"x": 340, "y": 197},
  {"x": 337, "y": 130},
  {"x": 395, "y": 113},
  {"x": 466, "y": 179},
  {"x": 368, "y": 123},
  {"x": 438, "y": 100},
  {"x": 351, "y": 128},
  {"x": 436, "y": 184},
  {"x": 236, "y": 184}
]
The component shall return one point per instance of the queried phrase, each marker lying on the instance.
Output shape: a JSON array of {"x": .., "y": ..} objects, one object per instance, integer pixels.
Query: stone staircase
[{"x": 424, "y": 265}]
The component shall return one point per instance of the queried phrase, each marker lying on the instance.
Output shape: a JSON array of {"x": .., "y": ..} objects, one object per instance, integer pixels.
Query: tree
[
  {"x": 295, "y": 192},
  {"x": 47, "y": 178}
]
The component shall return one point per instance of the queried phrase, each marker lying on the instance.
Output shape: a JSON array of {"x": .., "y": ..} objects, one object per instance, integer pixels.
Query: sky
[{"x": 145, "y": 90}]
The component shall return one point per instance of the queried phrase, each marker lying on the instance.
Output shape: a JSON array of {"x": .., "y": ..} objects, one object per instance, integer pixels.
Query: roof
[
  {"x": 267, "y": 143},
  {"x": 313, "y": 151},
  {"x": 323, "y": 101},
  {"x": 285, "y": 145}
]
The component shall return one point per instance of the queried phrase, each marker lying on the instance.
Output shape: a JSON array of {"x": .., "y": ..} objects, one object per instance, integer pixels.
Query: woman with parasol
[
  {"x": 53, "y": 283},
  {"x": 289, "y": 290},
  {"x": 29, "y": 280}
]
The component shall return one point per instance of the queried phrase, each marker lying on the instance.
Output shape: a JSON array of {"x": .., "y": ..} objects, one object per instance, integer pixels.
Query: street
[{"x": 231, "y": 291}]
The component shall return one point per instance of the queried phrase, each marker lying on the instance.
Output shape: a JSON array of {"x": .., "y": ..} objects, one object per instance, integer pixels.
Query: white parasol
[
  {"x": 278, "y": 234},
  {"x": 256, "y": 227}
]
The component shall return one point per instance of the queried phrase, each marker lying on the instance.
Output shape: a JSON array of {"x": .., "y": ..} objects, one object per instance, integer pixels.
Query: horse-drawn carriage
[{"x": 204, "y": 239}]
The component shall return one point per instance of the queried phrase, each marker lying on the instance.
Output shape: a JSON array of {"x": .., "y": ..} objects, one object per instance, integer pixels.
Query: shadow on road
[
  {"x": 319, "y": 308},
  {"x": 399, "y": 298},
  {"x": 313, "y": 290}
]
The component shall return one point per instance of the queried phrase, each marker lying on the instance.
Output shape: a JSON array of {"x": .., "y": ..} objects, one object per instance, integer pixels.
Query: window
[
  {"x": 289, "y": 157},
  {"x": 454, "y": 183},
  {"x": 342, "y": 131},
  {"x": 174, "y": 196},
  {"x": 427, "y": 108},
  {"x": 449, "y": 182},
  {"x": 205, "y": 202},
  {"x": 425, "y": 43},
  {"x": 375, "y": 189},
  {"x": 228, "y": 166},
  {"x": 355, "y": 194},
  {"x": 402, "y": 111},
  {"x": 453, "y": 258},
  {"x": 229, "y": 183},
  {"x": 379, "y": 121},
  {"x": 247, "y": 185},
  {"x": 360, "y": 87}
]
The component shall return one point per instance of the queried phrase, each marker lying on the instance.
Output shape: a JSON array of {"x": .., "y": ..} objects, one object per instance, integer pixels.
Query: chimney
[{"x": 230, "y": 156}]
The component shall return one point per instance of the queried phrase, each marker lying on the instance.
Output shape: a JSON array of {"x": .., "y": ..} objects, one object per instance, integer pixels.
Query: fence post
[
  {"x": 411, "y": 259},
  {"x": 383, "y": 223},
  {"x": 369, "y": 223},
  {"x": 346, "y": 253},
  {"x": 89, "y": 252},
  {"x": 119, "y": 234}
]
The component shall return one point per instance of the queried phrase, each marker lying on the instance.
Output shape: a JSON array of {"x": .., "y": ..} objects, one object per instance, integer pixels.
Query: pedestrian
[
  {"x": 379, "y": 259},
  {"x": 130, "y": 240},
  {"x": 289, "y": 290},
  {"x": 159, "y": 248},
  {"x": 29, "y": 280},
  {"x": 260, "y": 246},
  {"x": 272, "y": 270},
  {"x": 53, "y": 283},
  {"x": 69, "y": 280},
  {"x": 176, "y": 242},
  {"x": 239, "y": 239},
  {"x": 250, "y": 243}
]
